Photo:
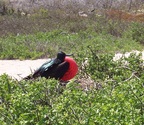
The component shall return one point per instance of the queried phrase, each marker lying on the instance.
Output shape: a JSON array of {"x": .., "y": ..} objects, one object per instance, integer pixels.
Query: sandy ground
[{"x": 19, "y": 69}]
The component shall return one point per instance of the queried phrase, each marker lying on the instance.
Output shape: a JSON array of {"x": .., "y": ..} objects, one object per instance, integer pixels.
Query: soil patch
[{"x": 19, "y": 69}]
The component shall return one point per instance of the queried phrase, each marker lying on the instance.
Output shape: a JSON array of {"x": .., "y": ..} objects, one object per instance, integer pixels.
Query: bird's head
[{"x": 61, "y": 56}]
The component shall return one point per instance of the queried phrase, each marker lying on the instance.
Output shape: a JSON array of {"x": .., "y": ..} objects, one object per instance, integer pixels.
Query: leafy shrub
[
  {"x": 137, "y": 32},
  {"x": 101, "y": 66},
  {"x": 119, "y": 101}
]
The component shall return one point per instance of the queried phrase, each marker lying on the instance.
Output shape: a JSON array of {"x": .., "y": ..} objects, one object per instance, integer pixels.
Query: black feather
[
  {"x": 55, "y": 68},
  {"x": 57, "y": 71}
]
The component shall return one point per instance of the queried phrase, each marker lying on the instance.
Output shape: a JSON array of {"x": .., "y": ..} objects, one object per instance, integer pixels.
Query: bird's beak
[{"x": 69, "y": 54}]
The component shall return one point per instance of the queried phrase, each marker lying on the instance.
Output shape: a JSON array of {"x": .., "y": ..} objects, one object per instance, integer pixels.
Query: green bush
[
  {"x": 101, "y": 66},
  {"x": 137, "y": 32},
  {"x": 120, "y": 100},
  {"x": 43, "y": 45}
]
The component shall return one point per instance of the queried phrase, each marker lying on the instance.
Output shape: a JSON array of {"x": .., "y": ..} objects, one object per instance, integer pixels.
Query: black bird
[{"x": 61, "y": 68}]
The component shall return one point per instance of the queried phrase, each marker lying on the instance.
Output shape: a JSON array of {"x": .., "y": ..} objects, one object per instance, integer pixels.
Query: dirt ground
[{"x": 19, "y": 69}]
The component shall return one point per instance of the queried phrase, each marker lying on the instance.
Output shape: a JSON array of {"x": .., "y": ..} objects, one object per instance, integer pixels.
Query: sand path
[{"x": 19, "y": 69}]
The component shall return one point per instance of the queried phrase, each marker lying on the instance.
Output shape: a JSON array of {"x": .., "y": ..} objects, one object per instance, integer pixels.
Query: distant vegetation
[
  {"x": 113, "y": 93},
  {"x": 43, "y": 32}
]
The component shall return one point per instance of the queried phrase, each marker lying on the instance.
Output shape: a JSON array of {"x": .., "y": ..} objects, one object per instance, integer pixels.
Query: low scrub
[
  {"x": 119, "y": 100},
  {"x": 45, "y": 45},
  {"x": 93, "y": 40}
]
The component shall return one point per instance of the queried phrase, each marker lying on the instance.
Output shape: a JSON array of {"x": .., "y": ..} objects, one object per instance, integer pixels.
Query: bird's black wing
[
  {"x": 43, "y": 68},
  {"x": 51, "y": 69},
  {"x": 57, "y": 71}
]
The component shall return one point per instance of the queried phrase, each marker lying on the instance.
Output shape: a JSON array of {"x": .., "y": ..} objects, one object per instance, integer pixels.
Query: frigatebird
[{"x": 61, "y": 68}]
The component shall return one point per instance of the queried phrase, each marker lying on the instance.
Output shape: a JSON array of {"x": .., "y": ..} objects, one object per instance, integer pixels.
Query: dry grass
[
  {"x": 121, "y": 15},
  {"x": 88, "y": 84},
  {"x": 15, "y": 19}
]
